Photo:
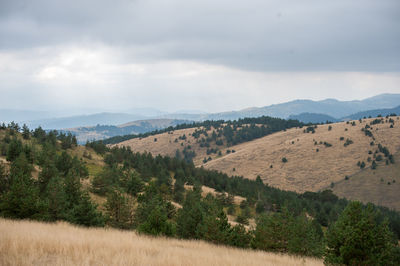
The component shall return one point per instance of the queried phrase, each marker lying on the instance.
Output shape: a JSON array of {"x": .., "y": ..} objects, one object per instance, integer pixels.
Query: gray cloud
[
  {"x": 101, "y": 55},
  {"x": 257, "y": 35}
]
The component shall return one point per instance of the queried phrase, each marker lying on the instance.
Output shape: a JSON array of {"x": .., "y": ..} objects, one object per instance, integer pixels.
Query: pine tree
[
  {"x": 119, "y": 211},
  {"x": 21, "y": 200},
  {"x": 48, "y": 171},
  {"x": 134, "y": 184},
  {"x": 157, "y": 223},
  {"x": 56, "y": 199},
  {"x": 4, "y": 179},
  {"x": 179, "y": 190},
  {"x": 273, "y": 231},
  {"x": 306, "y": 237},
  {"x": 26, "y": 134},
  {"x": 85, "y": 212},
  {"x": 14, "y": 149},
  {"x": 360, "y": 238},
  {"x": 190, "y": 216}
]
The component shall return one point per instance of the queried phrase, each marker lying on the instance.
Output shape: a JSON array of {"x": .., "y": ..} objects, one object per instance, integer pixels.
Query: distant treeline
[{"x": 236, "y": 131}]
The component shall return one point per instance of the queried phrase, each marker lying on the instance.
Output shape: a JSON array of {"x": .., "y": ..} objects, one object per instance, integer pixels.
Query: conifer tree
[
  {"x": 359, "y": 237},
  {"x": 119, "y": 211}
]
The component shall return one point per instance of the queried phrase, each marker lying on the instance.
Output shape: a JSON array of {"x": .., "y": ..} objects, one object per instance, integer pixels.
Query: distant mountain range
[
  {"x": 374, "y": 113},
  {"x": 331, "y": 107},
  {"x": 322, "y": 118},
  {"x": 303, "y": 110}
]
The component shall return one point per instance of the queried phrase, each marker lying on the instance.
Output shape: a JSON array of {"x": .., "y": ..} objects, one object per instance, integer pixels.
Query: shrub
[
  {"x": 284, "y": 160},
  {"x": 348, "y": 142},
  {"x": 310, "y": 129},
  {"x": 327, "y": 144},
  {"x": 374, "y": 165}
]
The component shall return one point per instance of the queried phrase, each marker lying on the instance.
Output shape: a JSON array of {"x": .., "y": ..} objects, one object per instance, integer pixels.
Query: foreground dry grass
[{"x": 34, "y": 243}]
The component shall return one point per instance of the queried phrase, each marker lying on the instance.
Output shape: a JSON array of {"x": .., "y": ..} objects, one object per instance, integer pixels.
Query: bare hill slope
[
  {"x": 311, "y": 165},
  {"x": 380, "y": 186}
]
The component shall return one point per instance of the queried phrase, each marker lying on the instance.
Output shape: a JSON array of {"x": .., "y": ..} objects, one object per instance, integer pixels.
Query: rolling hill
[
  {"x": 314, "y": 160},
  {"x": 100, "y": 132},
  {"x": 313, "y": 118},
  {"x": 380, "y": 186}
]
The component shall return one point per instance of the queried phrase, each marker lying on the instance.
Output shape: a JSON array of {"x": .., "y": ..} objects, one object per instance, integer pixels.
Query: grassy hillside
[
  {"x": 311, "y": 165},
  {"x": 34, "y": 243},
  {"x": 380, "y": 186},
  {"x": 313, "y": 160},
  {"x": 202, "y": 142}
]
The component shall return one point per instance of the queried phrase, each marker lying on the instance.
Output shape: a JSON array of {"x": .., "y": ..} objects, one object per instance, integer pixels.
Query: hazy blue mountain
[
  {"x": 373, "y": 113},
  {"x": 85, "y": 120},
  {"x": 330, "y": 107},
  {"x": 136, "y": 127},
  {"x": 313, "y": 118}
]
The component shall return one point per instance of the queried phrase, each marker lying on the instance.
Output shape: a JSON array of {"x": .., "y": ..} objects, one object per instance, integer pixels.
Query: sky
[{"x": 100, "y": 55}]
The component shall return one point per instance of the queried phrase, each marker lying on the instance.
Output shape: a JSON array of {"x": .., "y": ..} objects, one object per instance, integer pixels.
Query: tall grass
[{"x": 35, "y": 243}]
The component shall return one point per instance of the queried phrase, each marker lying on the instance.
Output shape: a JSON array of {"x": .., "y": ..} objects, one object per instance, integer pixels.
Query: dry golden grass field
[
  {"x": 34, "y": 243},
  {"x": 380, "y": 186},
  {"x": 305, "y": 169},
  {"x": 166, "y": 144}
]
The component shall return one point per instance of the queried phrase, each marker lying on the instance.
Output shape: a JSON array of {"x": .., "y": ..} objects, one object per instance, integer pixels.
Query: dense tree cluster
[{"x": 56, "y": 194}]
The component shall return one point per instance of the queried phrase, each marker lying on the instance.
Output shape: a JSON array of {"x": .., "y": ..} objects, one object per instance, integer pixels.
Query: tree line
[{"x": 235, "y": 131}]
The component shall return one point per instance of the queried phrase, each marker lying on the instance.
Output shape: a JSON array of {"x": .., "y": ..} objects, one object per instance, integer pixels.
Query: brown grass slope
[
  {"x": 34, "y": 243},
  {"x": 380, "y": 186},
  {"x": 306, "y": 169},
  {"x": 167, "y": 144}
]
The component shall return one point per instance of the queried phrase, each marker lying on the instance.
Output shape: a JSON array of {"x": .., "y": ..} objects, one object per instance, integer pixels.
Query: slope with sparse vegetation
[{"x": 308, "y": 158}]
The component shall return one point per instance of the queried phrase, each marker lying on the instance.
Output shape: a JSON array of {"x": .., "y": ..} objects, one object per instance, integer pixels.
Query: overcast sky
[{"x": 210, "y": 55}]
